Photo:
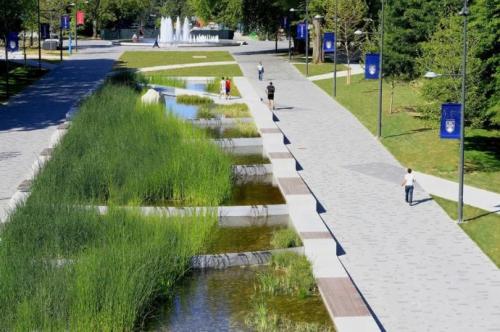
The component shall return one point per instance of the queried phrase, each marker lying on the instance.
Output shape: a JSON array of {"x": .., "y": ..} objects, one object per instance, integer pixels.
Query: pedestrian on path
[
  {"x": 222, "y": 88},
  {"x": 270, "y": 95},
  {"x": 156, "y": 43},
  {"x": 408, "y": 183},
  {"x": 260, "y": 69},
  {"x": 228, "y": 87}
]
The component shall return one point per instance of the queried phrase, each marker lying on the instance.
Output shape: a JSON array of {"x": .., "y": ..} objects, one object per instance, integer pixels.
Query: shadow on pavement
[{"x": 46, "y": 102}]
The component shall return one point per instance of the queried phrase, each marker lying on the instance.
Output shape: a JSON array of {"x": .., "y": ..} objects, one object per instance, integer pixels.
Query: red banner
[{"x": 80, "y": 17}]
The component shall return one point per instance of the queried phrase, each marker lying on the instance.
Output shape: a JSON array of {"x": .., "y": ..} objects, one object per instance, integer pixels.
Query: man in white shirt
[
  {"x": 408, "y": 183},
  {"x": 260, "y": 69}
]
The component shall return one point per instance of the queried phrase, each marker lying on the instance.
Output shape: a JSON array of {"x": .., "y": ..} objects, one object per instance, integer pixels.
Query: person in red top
[{"x": 228, "y": 87}]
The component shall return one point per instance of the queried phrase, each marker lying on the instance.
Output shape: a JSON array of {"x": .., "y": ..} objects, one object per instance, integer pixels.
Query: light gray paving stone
[{"x": 415, "y": 267}]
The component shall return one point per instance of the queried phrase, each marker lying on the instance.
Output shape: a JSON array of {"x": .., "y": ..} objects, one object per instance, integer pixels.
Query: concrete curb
[{"x": 226, "y": 260}]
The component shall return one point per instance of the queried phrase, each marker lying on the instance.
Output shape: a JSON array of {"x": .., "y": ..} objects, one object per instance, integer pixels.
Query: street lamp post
[
  {"x": 39, "y": 38},
  {"x": 335, "y": 53},
  {"x": 464, "y": 12},
  {"x": 307, "y": 39},
  {"x": 289, "y": 39},
  {"x": 379, "y": 124}
]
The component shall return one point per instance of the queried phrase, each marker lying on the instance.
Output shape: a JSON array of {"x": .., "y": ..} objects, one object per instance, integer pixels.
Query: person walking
[
  {"x": 228, "y": 87},
  {"x": 260, "y": 69},
  {"x": 156, "y": 43},
  {"x": 222, "y": 88},
  {"x": 270, "y": 95},
  {"x": 408, "y": 183}
]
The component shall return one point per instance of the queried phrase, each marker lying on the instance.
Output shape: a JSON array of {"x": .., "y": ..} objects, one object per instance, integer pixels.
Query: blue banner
[
  {"x": 45, "y": 30},
  {"x": 301, "y": 31},
  {"x": 450, "y": 121},
  {"x": 329, "y": 42},
  {"x": 372, "y": 66},
  {"x": 65, "y": 22},
  {"x": 285, "y": 24},
  {"x": 12, "y": 42}
]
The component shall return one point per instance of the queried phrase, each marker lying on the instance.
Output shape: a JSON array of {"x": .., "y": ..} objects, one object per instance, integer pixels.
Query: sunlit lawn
[
  {"x": 141, "y": 59},
  {"x": 318, "y": 69},
  {"x": 415, "y": 142},
  {"x": 482, "y": 226}
]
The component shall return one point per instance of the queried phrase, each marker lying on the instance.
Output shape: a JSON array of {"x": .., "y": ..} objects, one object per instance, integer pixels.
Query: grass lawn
[
  {"x": 207, "y": 71},
  {"x": 415, "y": 142},
  {"x": 482, "y": 226},
  {"x": 19, "y": 78},
  {"x": 318, "y": 69},
  {"x": 141, "y": 59}
]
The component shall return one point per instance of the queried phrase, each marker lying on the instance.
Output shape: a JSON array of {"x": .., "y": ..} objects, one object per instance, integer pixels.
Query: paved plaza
[
  {"x": 414, "y": 266},
  {"x": 416, "y": 269}
]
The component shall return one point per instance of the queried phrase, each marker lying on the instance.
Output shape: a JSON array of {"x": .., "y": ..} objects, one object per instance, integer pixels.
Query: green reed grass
[
  {"x": 285, "y": 238},
  {"x": 63, "y": 266},
  {"x": 237, "y": 110},
  {"x": 111, "y": 268},
  {"x": 165, "y": 80},
  {"x": 193, "y": 100},
  {"x": 123, "y": 152},
  {"x": 292, "y": 275}
]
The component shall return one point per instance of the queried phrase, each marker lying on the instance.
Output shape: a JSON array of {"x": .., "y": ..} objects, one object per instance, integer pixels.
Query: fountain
[
  {"x": 185, "y": 30},
  {"x": 178, "y": 34}
]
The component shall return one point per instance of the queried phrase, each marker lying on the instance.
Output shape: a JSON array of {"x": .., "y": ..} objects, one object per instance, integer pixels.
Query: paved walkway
[
  {"x": 30, "y": 118},
  {"x": 483, "y": 199},
  {"x": 355, "y": 69},
  {"x": 415, "y": 267}
]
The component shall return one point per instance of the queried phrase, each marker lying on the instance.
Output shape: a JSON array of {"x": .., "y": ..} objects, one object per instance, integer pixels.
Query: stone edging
[{"x": 226, "y": 260}]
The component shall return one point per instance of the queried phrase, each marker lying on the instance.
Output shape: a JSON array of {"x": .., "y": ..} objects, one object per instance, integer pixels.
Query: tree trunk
[
  {"x": 317, "y": 49},
  {"x": 276, "y": 42},
  {"x": 94, "y": 28},
  {"x": 392, "y": 97}
]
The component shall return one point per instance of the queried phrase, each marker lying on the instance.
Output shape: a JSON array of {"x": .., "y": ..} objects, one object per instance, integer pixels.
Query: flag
[
  {"x": 12, "y": 42},
  {"x": 80, "y": 17},
  {"x": 329, "y": 42},
  {"x": 450, "y": 121},
  {"x": 301, "y": 31},
  {"x": 372, "y": 66},
  {"x": 64, "y": 22}
]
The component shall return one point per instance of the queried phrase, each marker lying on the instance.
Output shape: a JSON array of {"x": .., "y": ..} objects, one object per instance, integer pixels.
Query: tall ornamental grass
[
  {"x": 70, "y": 269},
  {"x": 119, "y": 151},
  {"x": 65, "y": 267}
]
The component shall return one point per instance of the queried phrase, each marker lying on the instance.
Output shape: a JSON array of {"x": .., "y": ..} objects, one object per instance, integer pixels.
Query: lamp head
[{"x": 431, "y": 74}]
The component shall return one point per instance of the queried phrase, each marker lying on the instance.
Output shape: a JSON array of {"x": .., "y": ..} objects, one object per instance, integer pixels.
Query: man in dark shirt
[{"x": 270, "y": 95}]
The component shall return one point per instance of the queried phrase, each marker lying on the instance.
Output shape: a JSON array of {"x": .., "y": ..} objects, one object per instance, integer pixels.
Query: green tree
[
  {"x": 443, "y": 54},
  {"x": 227, "y": 12},
  {"x": 485, "y": 24},
  {"x": 263, "y": 16},
  {"x": 350, "y": 14},
  {"x": 407, "y": 24}
]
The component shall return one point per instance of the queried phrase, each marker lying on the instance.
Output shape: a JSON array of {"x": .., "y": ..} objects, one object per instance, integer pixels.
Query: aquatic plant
[
  {"x": 69, "y": 268},
  {"x": 193, "y": 100},
  {"x": 285, "y": 238},
  {"x": 165, "y": 80},
  {"x": 123, "y": 152},
  {"x": 236, "y": 110},
  {"x": 263, "y": 319},
  {"x": 292, "y": 275}
]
